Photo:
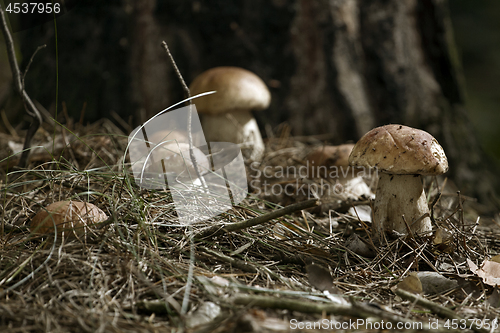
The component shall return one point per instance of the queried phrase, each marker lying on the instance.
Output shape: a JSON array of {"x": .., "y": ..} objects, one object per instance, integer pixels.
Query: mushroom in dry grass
[
  {"x": 165, "y": 153},
  {"x": 228, "y": 113},
  {"x": 168, "y": 136},
  {"x": 401, "y": 154},
  {"x": 172, "y": 146},
  {"x": 177, "y": 159},
  {"x": 332, "y": 162},
  {"x": 327, "y": 161},
  {"x": 70, "y": 217}
]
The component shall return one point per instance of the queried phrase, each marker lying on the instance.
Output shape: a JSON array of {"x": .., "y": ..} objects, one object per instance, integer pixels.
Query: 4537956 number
[{"x": 33, "y": 8}]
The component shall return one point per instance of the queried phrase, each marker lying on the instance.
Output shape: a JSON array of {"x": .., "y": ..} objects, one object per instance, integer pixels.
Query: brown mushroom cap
[
  {"x": 237, "y": 90},
  {"x": 67, "y": 215},
  {"x": 331, "y": 155},
  {"x": 398, "y": 149}
]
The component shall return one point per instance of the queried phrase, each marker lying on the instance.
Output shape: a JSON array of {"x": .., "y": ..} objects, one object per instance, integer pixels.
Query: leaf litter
[{"x": 130, "y": 273}]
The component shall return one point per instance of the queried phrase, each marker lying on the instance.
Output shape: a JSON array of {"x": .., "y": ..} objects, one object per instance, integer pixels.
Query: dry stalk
[
  {"x": 231, "y": 227},
  {"x": 19, "y": 85},
  {"x": 436, "y": 308}
]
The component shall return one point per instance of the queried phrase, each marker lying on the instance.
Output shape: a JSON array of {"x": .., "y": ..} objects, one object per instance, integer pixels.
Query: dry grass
[{"x": 130, "y": 274}]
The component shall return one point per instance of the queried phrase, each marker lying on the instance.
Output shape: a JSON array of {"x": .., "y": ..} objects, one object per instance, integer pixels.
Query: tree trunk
[{"x": 333, "y": 66}]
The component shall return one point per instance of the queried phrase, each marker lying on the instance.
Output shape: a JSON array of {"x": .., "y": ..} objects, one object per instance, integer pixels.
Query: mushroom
[
  {"x": 326, "y": 161},
  {"x": 401, "y": 154},
  {"x": 177, "y": 159},
  {"x": 164, "y": 153},
  {"x": 227, "y": 114},
  {"x": 332, "y": 162},
  {"x": 169, "y": 136},
  {"x": 68, "y": 216}
]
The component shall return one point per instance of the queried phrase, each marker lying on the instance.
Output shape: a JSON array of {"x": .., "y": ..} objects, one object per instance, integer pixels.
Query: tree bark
[{"x": 333, "y": 66}]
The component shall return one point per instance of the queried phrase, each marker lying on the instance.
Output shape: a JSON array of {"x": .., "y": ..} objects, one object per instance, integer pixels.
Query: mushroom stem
[
  {"x": 236, "y": 127},
  {"x": 399, "y": 195}
]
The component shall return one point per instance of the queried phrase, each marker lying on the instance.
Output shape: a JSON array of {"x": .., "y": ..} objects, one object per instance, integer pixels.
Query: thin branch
[
  {"x": 188, "y": 95},
  {"x": 234, "y": 262},
  {"x": 18, "y": 83},
  {"x": 218, "y": 229},
  {"x": 31, "y": 60},
  {"x": 355, "y": 309},
  {"x": 177, "y": 71},
  {"x": 273, "y": 302},
  {"x": 434, "y": 202},
  {"x": 196, "y": 170},
  {"x": 245, "y": 266},
  {"x": 7, "y": 124},
  {"x": 436, "y": 308},
  {"x": 9, "y": 42}
]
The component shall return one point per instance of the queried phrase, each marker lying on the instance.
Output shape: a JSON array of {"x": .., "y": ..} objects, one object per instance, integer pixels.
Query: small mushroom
[
  {"x": 327, "y": 161},
  {"x": 401, "y": 154},
  {"x": 164, "y": 153},
  {"x": 332, "y": 162},
  {"x": 227, "y": 113},
  {"x": 168, "y": 136},
  {"x": 177, "y": 159},
  {"x": 70, "y": 217}
]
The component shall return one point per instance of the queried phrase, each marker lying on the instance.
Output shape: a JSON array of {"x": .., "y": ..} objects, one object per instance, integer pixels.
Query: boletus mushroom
[
  {"x": 177, "y": 159},
  {"x": 168, "y": 136},
  {"x": 332, "y": 162},
  {"x": 68, "y": 217},
  {"x": 328, "y": 161},
  {"x": 227, "y": 114},
  {"x": 402, "y": 155}
]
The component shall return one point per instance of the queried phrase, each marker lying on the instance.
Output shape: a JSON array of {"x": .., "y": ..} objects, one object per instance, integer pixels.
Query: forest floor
[{"x": 310, "y": 270}]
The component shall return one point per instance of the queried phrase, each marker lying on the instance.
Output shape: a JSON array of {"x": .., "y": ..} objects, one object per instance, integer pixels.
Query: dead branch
[
  {"x": 220, "y": 229},
  {"x": 353, "y": 310},
  {"x": 436, "y": 308},
  {"x": 188, "y": 95},
  {"x": 19, "y": 85}
]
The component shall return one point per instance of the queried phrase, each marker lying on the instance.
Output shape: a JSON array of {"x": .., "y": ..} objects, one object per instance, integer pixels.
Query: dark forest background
[
  {"x": 477, "y": 34},
  {"x": 333, "y": 67}
]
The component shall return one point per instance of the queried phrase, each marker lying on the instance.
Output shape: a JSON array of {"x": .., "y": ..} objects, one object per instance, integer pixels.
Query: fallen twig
[
  {"x": 273, "y": 302},
  {"x": 355, "y": 309},
  {"x": 220, "y": 229},
  {"x": 436, "y": 308},
  {"x": 245, "y": 266}
]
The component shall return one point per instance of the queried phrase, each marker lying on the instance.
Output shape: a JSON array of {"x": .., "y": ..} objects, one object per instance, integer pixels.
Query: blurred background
[
  {"x": 477, "y": 33},
  {"x": 334, "y": 68}
]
